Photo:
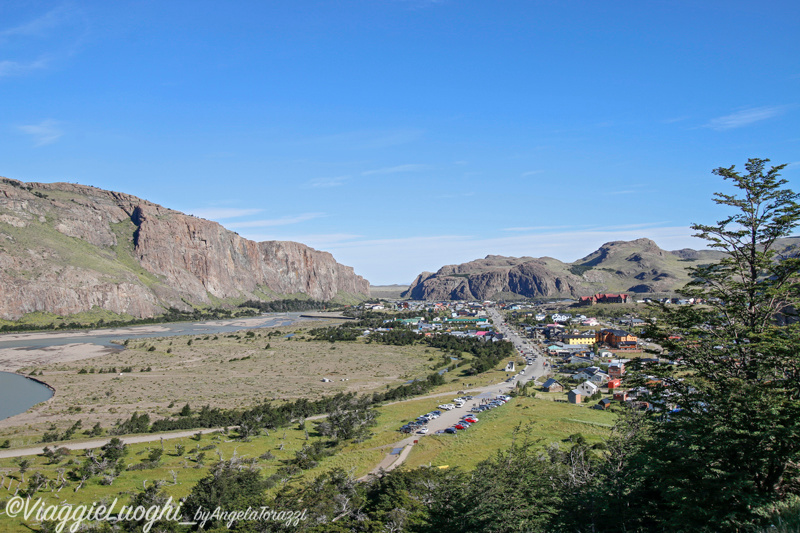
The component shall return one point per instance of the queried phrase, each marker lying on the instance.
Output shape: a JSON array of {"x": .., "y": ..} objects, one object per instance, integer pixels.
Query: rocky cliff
[
  {"x": 638, "y": 266},
  {"x": 67, "y": 248}
]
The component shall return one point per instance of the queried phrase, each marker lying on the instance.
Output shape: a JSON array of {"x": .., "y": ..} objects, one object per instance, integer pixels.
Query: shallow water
[{"x": 18, "y": 394}]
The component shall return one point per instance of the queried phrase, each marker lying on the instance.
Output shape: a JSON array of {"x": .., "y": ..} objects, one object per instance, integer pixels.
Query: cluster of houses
[
  {"x": 594, "y": 378},
  {"x": 598, "y": 368},
  {"x": 460, "y": 319}
]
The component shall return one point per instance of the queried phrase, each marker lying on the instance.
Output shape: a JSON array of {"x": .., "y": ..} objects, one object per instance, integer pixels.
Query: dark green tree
[
  {"x": 150, "y": 497},
  {"x": 230, "y": 485},
  {"x": 350, "y": 421},
  {"x": 727, "y": 456},
  {"x": 519, "y": 490},
  {"x": 114, "y": 449}
]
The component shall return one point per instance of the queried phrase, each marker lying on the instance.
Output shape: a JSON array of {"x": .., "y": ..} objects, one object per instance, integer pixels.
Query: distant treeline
[
  {"x": 171, "y": 315},
  {"x": 292, "y": 304},
  {"x": 376, "y": 319},
  {"x": 487, "y": 354},
  {"x": 268, "y": 415}
]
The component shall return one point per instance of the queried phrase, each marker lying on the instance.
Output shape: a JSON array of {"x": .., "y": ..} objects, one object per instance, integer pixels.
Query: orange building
[{"x": 617, "y": 338}]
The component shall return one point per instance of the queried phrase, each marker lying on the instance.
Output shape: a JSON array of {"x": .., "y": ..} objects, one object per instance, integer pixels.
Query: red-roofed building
[{"x": 603, "y": 299}]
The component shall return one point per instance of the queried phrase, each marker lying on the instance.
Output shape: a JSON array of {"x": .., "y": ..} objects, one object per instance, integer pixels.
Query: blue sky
[{"x": 402, "y": 135}]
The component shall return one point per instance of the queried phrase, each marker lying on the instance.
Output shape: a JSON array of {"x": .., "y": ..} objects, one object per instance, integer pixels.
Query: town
[{"x": 585, "y": 357}]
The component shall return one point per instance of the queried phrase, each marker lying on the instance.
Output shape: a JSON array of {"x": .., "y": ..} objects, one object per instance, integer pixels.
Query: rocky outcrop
[
  {"x": 66, "y": 248},
  {"x": 619, "y": 266}
]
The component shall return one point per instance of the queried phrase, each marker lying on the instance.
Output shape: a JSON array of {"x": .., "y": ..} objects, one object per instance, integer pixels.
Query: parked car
[
  {"x": 450, "y": 430},
  {"x": 423, "y": 431}
]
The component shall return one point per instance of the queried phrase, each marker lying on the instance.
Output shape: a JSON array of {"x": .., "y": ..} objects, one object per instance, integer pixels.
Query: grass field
[
  {"x": 546, "y": 420},
  {"x": 235, "y": 370}
]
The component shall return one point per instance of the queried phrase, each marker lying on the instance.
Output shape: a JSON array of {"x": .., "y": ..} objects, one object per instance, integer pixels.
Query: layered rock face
[
  {"x": 528, "y": 278},
  {"x": 619, "y": 266},
  {"x": 66, "y": 248}
]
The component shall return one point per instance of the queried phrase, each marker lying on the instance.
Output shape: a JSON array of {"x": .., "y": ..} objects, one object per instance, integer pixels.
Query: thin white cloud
[
  {"x": 612, "y": 193},
  {"x": 324, "y": 183},
  {"x": 745, "y": 117},
  {"x": 395, "y": 169},
  {"x": 39, "y": 26},
  {"x": 384, "y": 261},
  {"x": 46, "y": 132},
  {"x": 538, "y": 228},
  {"x": 16, "y": 68},
  {"x": 643, "y": 225},
  {"x": 57, "y": 34},
  {"x": 283, "y": 221},
  {"x": 319, "y": 241},
  {"x": 531, "y": 173},
  {"x": 221, "y": 213}
]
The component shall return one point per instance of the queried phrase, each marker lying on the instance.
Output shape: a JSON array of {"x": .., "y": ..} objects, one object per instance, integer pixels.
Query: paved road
[
  {"x": 450, "y": 418},
  {"x": 540, "y": 365}
]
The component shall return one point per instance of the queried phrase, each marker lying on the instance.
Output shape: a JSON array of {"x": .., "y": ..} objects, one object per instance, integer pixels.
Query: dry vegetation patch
[{"x": 160, "y": 375}]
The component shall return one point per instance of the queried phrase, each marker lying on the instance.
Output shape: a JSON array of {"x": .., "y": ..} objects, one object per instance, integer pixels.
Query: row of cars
[
  {"x": 420, "y": 424},
  {"x": 457, "y": 403},
  {"x": 465, "y": 422},
  {"x": 469, "y": 419}
]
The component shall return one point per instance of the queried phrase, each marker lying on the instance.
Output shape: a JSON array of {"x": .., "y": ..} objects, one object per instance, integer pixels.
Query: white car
[{"x": 423, "y": 431}]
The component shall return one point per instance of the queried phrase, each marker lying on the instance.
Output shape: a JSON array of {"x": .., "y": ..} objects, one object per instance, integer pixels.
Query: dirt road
[{"x": 96, "y": 443}]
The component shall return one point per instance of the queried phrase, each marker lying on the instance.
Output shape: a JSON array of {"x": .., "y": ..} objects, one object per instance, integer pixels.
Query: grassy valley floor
[
  {"x": 160, "y": 375},
  {"x": 180, "y": 470}
]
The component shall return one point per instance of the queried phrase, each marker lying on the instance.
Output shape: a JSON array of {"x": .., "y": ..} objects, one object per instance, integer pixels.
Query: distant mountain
[
  {"x": 638, "y": 266},
  {"x": 68, "y": 248},
  {"x": 387, "y": 291}
]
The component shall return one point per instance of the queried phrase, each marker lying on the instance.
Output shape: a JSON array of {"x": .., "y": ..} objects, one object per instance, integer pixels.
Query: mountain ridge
[
  {"x": 66, "y": 248},
  {"x": 638, "y": 266}
]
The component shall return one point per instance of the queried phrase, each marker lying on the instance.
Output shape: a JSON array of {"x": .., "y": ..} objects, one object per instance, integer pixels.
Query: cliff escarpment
[
  {"x": 637, "y": 266},
  {"x": 66, "y": 248}
]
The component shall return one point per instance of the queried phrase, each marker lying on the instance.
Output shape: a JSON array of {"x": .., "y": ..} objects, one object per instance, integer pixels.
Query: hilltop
[{"x": 637, "y": 266}]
